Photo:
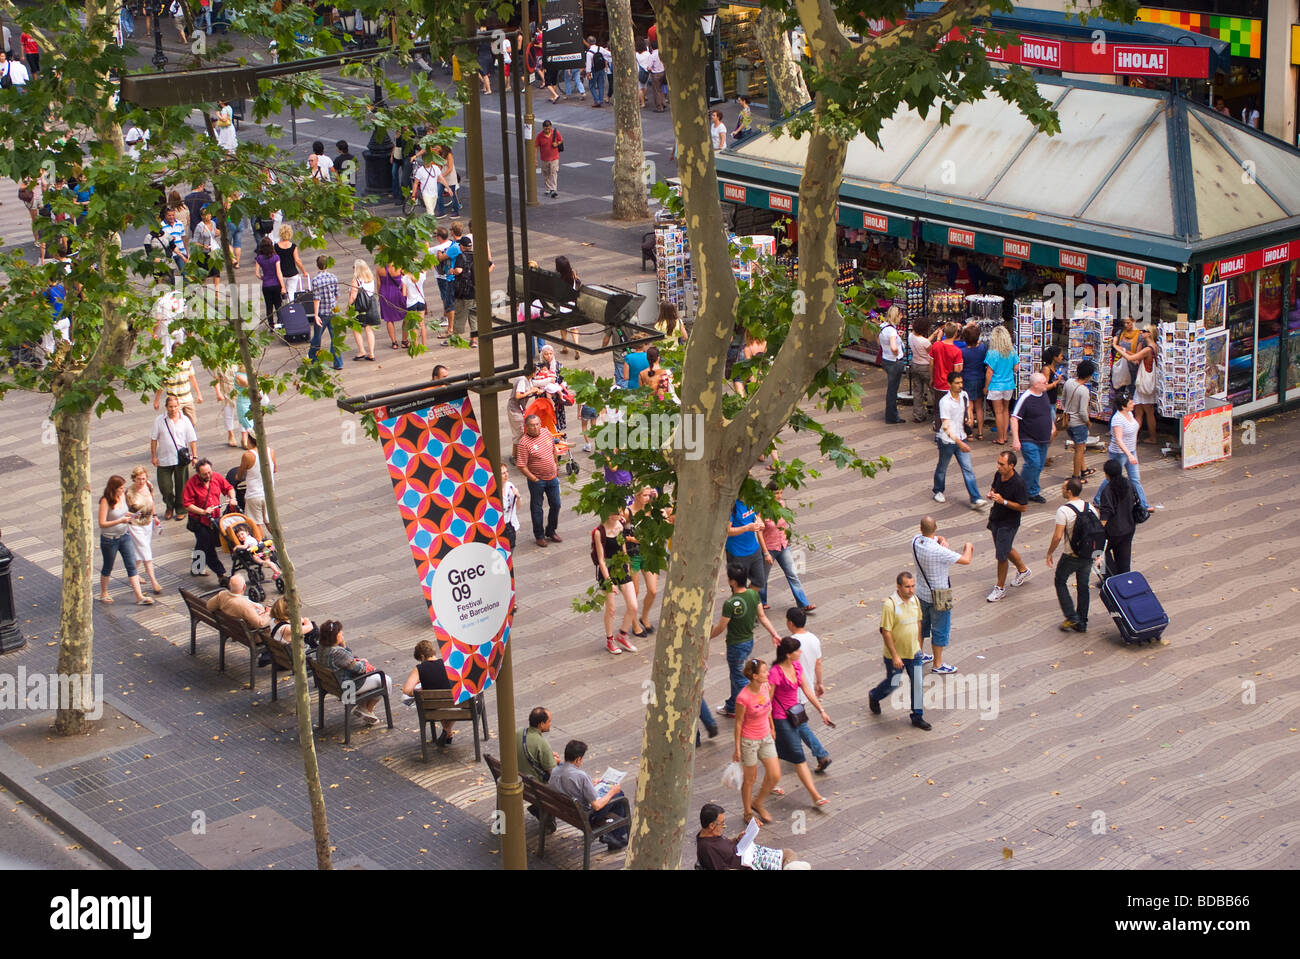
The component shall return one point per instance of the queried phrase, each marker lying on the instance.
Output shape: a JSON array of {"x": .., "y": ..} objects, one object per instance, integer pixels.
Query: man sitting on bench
[
  {"x": 568, "y": 778},
  {"x": 234, "y": 602}
]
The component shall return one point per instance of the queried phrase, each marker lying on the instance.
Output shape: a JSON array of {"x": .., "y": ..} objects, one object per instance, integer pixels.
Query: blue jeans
[
  {"x": 617, "y": 806},
  {"x": 397, "y": 166},
  {"x": 737, "y": 654},
  {"x": 551, "y": 490},
  {"x": 946, "y": 452},
  {"x": 782, "y": 557},
  {"x": 893, "y": 377},
  {"x": 1066, "y": 567},
  {"x": 598, "y": 87},
  {"x": 447, "y": 292},
  {"x": 236, "y": 234},
  {"x": 706, "y": 716},
  {"x": 812, "y": 742},
  {"x": 620, "y": 381},
  {"x": 573, "y": 78},
  {"x": 934, "y": 624},
  {"x": 1134, "y": 477},
  {"x": 1035, "y": 455},
  {"x": 317, "y": 332},
  {"x": 111, "y": 546},
  {"x": 888, "y": 684},
  {"x": 444, "y": 202}
]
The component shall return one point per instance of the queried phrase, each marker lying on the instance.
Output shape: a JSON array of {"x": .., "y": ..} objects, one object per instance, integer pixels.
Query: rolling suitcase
[
  {"x": 1134, "y": 607},
  {"x": 295, "y": 326}
]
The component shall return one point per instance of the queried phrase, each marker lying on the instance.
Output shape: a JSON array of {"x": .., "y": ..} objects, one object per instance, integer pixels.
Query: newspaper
[
  {"x": 745, "y": 848},
  {"x": 608, "y": 780}
]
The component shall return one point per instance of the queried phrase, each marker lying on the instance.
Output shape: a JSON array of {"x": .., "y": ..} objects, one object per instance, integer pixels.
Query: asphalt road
[{"x": 29, "y": 841}]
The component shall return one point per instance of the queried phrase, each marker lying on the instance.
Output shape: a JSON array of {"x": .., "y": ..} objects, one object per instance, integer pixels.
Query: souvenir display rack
[{"x": 1180, "y": 368}]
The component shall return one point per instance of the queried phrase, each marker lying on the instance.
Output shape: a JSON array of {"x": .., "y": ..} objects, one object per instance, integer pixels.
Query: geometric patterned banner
[
  {"x": 1244, "y": 35},
  {"x": 451, "y": 508}
]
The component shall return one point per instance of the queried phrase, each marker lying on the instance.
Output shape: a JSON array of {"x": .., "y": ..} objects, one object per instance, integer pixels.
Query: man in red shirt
[
  {"x": 945, "y": 358},
  {"x": 202, "y": 500},
  {"x": 535, "y": 457},
  {"x": 549, "y": 142}
]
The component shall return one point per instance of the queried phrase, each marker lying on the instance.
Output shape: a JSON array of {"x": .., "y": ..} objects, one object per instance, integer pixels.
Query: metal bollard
[{"x": 11, "y": 638}]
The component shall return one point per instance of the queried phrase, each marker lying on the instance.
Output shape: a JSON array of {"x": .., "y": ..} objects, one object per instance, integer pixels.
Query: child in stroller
[{"x": 251, "y": 553}]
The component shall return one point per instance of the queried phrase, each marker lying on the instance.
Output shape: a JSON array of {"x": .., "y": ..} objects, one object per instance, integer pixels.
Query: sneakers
[
  {"x": 940, "y": 498},
  {"x": 1068, "y": 625},
  {"x": 945, "y": 668},
  {"x": 1037, "y": 499},
  {"x": 586, "y": 447},
  {"x": 623, "y": 641},
  {"x": 920, "y": 723},
  {"x": 926, "y": 658},
  {"x": 1080, "y": 627},
  {"x": 1022, "y": 578},
  {"x": 712, "y": 730},
  {"x": 873, "y": 706},
  {"x": 609, "y": 645},
  {"x": 822, "y": 764},
  {"x": 997, "y": 594},
  {"x": 979, "y": 503}
]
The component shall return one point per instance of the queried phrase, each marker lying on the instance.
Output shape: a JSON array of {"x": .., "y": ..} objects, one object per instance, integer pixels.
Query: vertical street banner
[
  {"x": 450, "y": 503},
  {"x": 562, "y": 47}
]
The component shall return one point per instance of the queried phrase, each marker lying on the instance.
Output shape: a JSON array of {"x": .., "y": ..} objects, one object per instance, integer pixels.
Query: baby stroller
[
  {"x": 242, "y": 560},
  {"x": 544, "y": 408}
]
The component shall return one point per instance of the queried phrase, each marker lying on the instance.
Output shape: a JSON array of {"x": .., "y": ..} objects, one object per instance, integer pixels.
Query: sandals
[
  {"x": 406, "y": 344},
  {"x": 396, "y": 346},
  {"x": 763, "y": 817},
  {"x": 144, "y": 601},
  {"x": 107, "y": 600},
  {"x": 821, "y": 802},
  {"x": 648, "y": 629},
  {"x": 1088, "y": 472}
]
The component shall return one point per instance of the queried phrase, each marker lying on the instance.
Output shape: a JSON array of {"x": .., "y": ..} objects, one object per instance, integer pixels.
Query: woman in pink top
[
  {"x": 755, "y": 739},
  {"x": 776, "y": 541},
  {"x": 787, "y": 679}
]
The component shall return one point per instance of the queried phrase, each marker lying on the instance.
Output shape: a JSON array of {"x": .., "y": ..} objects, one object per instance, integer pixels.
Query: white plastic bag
[{"x": 733, "y": 776}]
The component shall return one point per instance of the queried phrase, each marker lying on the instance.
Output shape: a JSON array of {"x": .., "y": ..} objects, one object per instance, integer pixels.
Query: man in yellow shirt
[{"x": 900, "y": 626}]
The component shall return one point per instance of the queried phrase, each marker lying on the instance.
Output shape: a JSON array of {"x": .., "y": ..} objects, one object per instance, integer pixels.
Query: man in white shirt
[
  {"x": 657, "y": 71},
  {"x": 955, "y": 415},
  {"x": 598, "y": 61},
  {"x": 810, "y": 654},
  {"x": 14, "y": 70},
  {"x": 425, "y": 187},
  {"x": 137, "y": 141},
  {"x": 1076, "y": 618},
  {"x": 323, "y": 168},
  {"x": 173, "y": 238}
]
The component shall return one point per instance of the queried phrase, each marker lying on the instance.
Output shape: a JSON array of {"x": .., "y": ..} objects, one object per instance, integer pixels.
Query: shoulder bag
[
  {"x": 183, "y": 457},
  {"x": 940, "y": 599}
]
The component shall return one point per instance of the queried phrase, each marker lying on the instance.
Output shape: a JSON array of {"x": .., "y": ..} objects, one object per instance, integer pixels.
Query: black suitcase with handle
[{"x": 295, "y": 322}]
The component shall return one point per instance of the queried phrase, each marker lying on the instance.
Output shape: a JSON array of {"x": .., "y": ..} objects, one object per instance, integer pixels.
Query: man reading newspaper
[{"x": 601, "y": 804}]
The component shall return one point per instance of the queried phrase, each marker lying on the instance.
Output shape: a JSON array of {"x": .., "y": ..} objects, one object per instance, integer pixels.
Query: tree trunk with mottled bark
[
  {"x": 629, "y": 149},
  {"x": 707, "y": 487},
  {"x": 72, "y": 429},
  {"x": 786, "y": 77},
  {"x": 76, "y": 633}
]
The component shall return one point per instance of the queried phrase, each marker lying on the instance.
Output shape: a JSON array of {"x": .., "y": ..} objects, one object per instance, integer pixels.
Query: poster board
[
  {"x": 1214, "y": 305},
  {"x": 1207, "y": 436},
  {"x": 1216, "y": 365}
]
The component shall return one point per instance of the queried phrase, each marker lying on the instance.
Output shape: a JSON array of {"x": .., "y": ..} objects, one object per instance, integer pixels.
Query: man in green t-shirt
[
  {"x": 739, "y": 613},
  {"x": 536, "y": 758},
  {"x": 900, "y": 627}
]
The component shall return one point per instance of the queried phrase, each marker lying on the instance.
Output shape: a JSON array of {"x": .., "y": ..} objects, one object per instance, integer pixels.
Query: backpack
[
  {"x": 463, "y": 284},
  {"x": 595, "y": 560},
  {"x": 597, "y": 61},
  {"x": 1088, "y": 536}
]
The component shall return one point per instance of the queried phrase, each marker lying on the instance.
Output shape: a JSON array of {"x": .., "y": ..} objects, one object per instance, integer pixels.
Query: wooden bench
[
  {"x": 282, "y": 662},
  {"x": 435, "y": 706},
  {"x": 552, "y": 804},
  {"x": 197, "y": 603},
  {"x": 327, "y": 684},
  {"x": 233, "y": 629}
]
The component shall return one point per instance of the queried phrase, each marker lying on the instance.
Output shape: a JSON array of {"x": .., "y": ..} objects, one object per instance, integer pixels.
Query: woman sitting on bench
[
  {"x": 429, "y": 673},
  {"x": 334, "y": 655}
]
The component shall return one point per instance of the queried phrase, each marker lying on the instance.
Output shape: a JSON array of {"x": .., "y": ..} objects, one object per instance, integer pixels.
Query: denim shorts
[{"x": 1078, "y": 433}]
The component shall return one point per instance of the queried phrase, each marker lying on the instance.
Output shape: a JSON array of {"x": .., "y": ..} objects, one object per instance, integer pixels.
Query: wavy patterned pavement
[{"x": 1184, "y": 755}]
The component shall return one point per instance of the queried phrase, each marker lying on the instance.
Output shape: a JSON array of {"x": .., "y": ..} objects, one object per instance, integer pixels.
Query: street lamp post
[
  {"x": 159, "y": 58},
  {"x": 530, "y": 147}
]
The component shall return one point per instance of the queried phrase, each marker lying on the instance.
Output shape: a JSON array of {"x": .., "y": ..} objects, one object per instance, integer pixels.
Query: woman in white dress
[
  {"x": 139, "y": 500},
  {"x": 225, "y": 124}
]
